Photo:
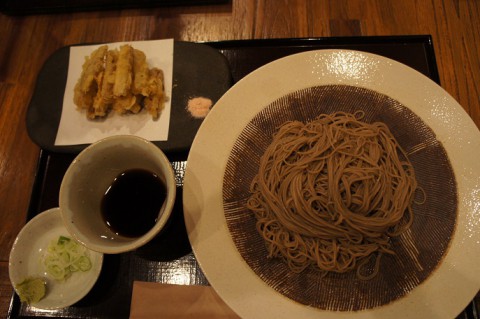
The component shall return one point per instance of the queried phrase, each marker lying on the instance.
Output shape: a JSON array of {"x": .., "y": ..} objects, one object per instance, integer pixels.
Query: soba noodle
[{"x": 331, "y": 193}]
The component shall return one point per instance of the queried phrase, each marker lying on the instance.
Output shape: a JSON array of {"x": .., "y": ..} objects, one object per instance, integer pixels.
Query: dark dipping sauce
[{"x": 131, "y": 205}]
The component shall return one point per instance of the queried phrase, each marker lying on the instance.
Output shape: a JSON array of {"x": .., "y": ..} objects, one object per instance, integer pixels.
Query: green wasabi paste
[{"x": 31, "y": 290}]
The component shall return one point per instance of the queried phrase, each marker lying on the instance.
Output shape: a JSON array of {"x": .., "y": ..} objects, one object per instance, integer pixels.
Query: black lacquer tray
[{"x": 169, "y": 258}]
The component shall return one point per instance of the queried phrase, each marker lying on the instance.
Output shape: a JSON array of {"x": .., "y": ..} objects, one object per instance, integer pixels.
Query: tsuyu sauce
[{"x": 132, "y": 203}]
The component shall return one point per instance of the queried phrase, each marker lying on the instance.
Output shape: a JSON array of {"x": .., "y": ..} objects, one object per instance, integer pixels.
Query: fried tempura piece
[
  {"x": 99, "y": 108},
  {"x": 137, "y": 107},
  {"x": 125, "y": 104},
  {"x": 86, "y": 86},
  {"x": 140, "y": 73},
  {"x": 92, "y": 67},
  {"x": 154, "y": 103},
  {"x": 123, "y": 73},
  {"x": 109, "y": 76},
  {"x": 104, "y": 97},
  {"x": 82, "y": 100}
]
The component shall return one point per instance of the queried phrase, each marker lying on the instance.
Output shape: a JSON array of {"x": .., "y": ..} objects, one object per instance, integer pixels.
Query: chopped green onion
[
  {"x": 62, "y": 240},
  {"x": 64, "y": 257}
]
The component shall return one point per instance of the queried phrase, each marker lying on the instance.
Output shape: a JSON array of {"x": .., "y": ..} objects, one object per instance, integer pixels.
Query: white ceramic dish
[
  {"x": 449, "y": 288},
  {"x": 26, "y": 255}
]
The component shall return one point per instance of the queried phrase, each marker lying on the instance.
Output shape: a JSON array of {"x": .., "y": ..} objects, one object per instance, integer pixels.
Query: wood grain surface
[{"x": 27, "y": 41}]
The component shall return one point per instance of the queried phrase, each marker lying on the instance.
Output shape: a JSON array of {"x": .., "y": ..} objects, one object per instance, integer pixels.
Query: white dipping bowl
[{"x": 90, "y": 175}]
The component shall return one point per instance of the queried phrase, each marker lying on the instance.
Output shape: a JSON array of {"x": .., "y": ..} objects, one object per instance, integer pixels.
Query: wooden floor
[{"x": 27, "y": 41}]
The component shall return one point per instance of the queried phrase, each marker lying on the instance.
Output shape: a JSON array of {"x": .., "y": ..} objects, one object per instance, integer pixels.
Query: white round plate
[
  {"x": 26, "y": 255},
  {"x": 444, "y": 294}
]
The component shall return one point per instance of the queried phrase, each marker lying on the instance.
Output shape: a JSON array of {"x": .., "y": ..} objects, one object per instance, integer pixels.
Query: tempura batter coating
[
  {"x": 141, "y": 73},
  {"x": 92, "y": 67},
  {"x": 123, "y": 74},
  {"x": 154, "y": 103},
  {"x": 86, "y": 87},
  {"x": 109, "y": 76}
]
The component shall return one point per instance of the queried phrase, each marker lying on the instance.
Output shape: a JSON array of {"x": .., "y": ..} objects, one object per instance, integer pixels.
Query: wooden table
[{"x": 27, "y": 41}]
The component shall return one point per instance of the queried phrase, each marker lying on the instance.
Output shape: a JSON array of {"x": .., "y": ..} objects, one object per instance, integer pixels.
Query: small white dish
[{"x": 26, "y": 261}]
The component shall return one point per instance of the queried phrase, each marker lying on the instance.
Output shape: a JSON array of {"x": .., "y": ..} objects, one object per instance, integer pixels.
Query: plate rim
[{"x": 436, "y": 108}]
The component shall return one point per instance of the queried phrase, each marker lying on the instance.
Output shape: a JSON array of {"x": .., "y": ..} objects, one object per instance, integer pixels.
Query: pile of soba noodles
[{"x": 331, "y": 193}]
